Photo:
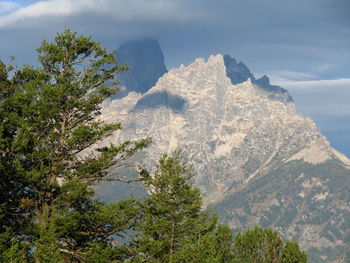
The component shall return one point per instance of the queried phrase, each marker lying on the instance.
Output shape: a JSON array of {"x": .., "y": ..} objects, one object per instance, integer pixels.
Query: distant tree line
[{"x": 48, "y": 211}]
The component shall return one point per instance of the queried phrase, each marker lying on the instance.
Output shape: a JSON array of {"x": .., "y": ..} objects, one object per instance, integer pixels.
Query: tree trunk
[{"x": 172, "y": 243}]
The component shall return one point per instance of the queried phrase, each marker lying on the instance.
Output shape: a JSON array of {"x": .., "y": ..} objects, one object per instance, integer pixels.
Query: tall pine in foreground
[
  {"x": 12, "y": 184},
  {"x": 49, "y": 118},
  {"x": 173, "y": 227}
]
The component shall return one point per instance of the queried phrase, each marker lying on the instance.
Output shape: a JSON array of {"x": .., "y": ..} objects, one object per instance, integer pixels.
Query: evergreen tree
[
  {"x": 173, "y": 227},
  {"x": 263, "y": 245},
  {"x": 212, "y": 247},
  {"x": 291, "y": 253},
  {"x": 12, "y": 185},
  {"x": 48, "y": 121}
]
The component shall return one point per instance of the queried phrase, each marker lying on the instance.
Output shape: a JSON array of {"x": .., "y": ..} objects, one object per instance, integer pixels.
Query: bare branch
[
  {"x": 71, "y": 252},
  {"x": 115, "y": 179}
]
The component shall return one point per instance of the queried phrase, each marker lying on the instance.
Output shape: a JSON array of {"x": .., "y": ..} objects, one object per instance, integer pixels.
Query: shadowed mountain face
[
  {"x": 160, "y": 99},
  {"x": 239, "y": 73},
  {"x": 276, "y": 91},
  {"x": 146, "y": 65}
]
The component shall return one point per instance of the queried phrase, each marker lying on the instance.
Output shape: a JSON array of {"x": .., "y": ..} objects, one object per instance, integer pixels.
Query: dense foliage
[
  {"x": 261, "y": 245},
  {"x": 48, "y": 211},
  {"x": 173, "y": 227},
  {"x": 48, "y": 121}
]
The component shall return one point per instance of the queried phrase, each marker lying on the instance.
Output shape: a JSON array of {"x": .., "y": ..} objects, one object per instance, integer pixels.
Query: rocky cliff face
[
  {"x": 257, "y": 160},
  {"x": 146, "y": 65}
]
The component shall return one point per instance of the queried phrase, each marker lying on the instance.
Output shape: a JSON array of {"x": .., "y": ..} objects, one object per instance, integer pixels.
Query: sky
[{"x": 303, "y": 46}]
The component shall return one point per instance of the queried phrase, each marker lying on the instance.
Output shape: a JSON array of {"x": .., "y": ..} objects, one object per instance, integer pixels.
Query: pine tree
[
  {"x": 291, "y": 253},
  {"x": 49, "y": 119},
  {"x": 263, "y": 245},
  {"x": 173, "y": 227},
  {"x": 12, "y": 185}
]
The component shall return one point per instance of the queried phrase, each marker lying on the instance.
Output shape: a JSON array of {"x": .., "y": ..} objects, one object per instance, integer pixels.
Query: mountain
[
  {"x": 146, "y": 65},
  {"x": 239, "y": 73},
  {"x": 257, "y": 160}
]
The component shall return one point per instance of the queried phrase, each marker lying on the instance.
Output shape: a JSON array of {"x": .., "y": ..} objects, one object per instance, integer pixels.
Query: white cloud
[
  {"x": 314, "y": 84},
  {"x": 44, "y": 8},
  {"x": 313, "y": 96},
  {"x": 319, "y": 97},
  {"x": 121, "y": 10},
  {"x": 8, "y": 7},
  {"x": 285, "y": 75}
]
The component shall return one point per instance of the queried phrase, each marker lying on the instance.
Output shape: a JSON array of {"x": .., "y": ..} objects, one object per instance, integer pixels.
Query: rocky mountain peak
[
  {"x": 237, "y": 72},
  {"x": 257, "y": 161},
  {"x": 276, "y": 91},
  {"x": 146, "y": 65}
]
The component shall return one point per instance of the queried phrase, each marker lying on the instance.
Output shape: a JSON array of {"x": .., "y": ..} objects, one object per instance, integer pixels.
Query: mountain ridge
[{"x": 238, "y": 136}]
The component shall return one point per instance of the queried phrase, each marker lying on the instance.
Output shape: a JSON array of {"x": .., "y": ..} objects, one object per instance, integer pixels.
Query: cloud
[
  {"x": 120, "y": 10},
  {"x": 302, "y": 80},
  {"x": 328, "y": 84},
  {"x": 317, "y": 98},
  {"x": 8, "y": 7},
  {"x": 285, "y": 76},
  {"x": 44, "y": 9}
]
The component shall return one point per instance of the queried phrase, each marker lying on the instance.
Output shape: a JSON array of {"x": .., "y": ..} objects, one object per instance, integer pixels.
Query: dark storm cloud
[{"x": 265, "y": 34}]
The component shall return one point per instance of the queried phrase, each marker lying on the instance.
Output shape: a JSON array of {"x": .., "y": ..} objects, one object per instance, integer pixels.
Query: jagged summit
[
  {"x": 264, "y": 81},
  {"x": 146, "y": 65},
  {"x": 239, "y": 72},
  {"x": 276, "y": 91}
]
